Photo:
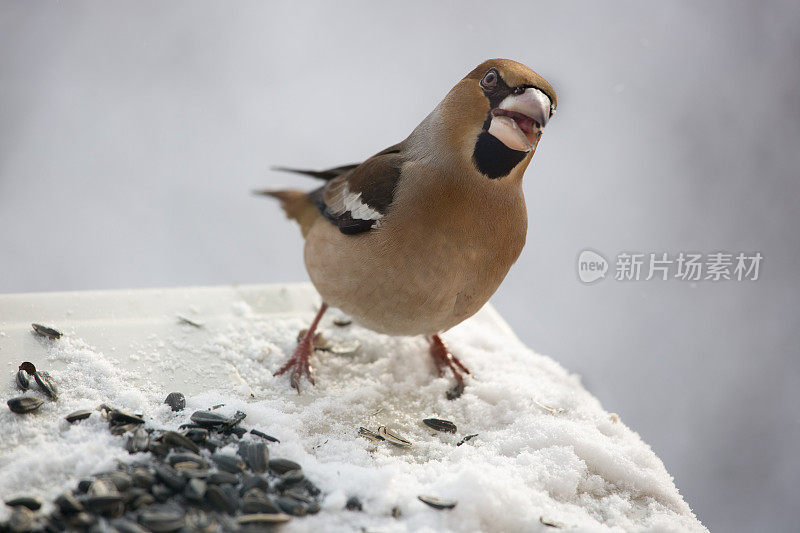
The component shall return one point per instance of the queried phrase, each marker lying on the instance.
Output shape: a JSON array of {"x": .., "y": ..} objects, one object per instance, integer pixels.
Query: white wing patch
[{"x": 344, "y": 200}]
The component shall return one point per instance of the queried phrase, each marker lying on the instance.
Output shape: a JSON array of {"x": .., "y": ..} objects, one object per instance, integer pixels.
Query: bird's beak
[{"x": 520, "y": 118}]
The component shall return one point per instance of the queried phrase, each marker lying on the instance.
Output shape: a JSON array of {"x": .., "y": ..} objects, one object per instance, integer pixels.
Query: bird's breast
[{"x": 425, "y": 269}]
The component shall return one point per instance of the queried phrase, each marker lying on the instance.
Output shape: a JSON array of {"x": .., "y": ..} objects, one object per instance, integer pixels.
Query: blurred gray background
[{"x": 132, "y": 133}]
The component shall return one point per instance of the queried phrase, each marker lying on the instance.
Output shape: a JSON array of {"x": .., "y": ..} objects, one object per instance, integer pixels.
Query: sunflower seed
[
  {"x": 163, "y": 518},
  {"x": 223, "y": 478},
  {"x": 143, "y": 500},
  {"x": 228, "y": 463},
  {"x": 255, "y": 455},
  {"x": 160, "y": 492},
  {"x": 121, "y": 429},
  {"x": 353, "y": 504},
  {"x": 101, "y": 487},
  {"x": 455, "y": 392},
  {"x": 176, "y": 401},
  {"x": 182, "y": 319},
  {"x": 393, "y": 437},
  {"x": 466, "y": 439},
  {"x": 549, "y": 409},
  {"x": 209, "y": 419},
  {"x": 45, "y": 331},
  {"x": 188, "y": 472},
  {"x": 264, "y": 435},
  {"x": 159, "y": 449},
  {"x": 120, "y": 480},
  {"x": 197, "y": 435},
  {"x": 170, "y": 477},
  {"x": 188, "y": 460},
  {"x": 253, "y": 481},
  {"x": 212, "y": 445},
  {"x": 143, "y": 478},
  {"x": 437, "y": 503},
  {"x": 440, "y": 425},
  {"x": 550, "y": 523},
  {"x": 369, "y": 435},
  {"x": 123, "y": 525},
  {"x": 75, "y": 416},
  {"x": 176, "y": 440},
  {"x": 289, "y": 479},
  {"x": 231, "y": 424},
  {"x": 23, "y": 380},
  {"x": 28, "y": 367},
  {"x": 68, "y": 504},
  {"x": 263, "y": 519},
  {"x": 238, "y": 431},
  {"x": 107, "y": 505},
  {"x": 291, "y": 506},
  {"x": 34, "y": 504},
  {"x": 281, "y": 466},
  {"x": 120, "y": 417},
  {"x": 46, "y": 383},
  {"x": 219, "y": 499},
  {"x": 258, "y": 501},
  {"x": 24, "y": 404}
]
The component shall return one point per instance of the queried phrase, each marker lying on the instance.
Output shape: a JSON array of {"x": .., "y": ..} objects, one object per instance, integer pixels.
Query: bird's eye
[{"x": 490, "y": 79}]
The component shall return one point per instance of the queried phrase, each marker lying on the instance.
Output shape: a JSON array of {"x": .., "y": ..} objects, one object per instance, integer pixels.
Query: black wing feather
[{"x": 326, "y": 175}]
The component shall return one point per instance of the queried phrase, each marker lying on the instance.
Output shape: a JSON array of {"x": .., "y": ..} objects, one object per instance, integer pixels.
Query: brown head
[{"x": 496, "y": 115}]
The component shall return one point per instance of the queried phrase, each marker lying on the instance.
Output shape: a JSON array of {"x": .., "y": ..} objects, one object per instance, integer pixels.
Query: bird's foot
[
  {"x": 444, "y": 359},
  {"x": 299, "y": 364},
  {"x": 299, "y": 361}
]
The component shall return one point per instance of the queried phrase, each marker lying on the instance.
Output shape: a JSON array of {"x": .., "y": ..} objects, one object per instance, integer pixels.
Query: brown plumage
[{"x": 416, "y": 238}]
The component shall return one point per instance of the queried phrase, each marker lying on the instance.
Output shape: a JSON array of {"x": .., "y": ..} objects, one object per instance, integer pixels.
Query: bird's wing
[
  {"x": 357, "y": 200},
  {"x": 326, "y": 175}
]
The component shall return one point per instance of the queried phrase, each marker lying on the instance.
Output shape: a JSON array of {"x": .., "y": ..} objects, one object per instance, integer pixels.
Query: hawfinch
[{"x": 415, "y": 239}]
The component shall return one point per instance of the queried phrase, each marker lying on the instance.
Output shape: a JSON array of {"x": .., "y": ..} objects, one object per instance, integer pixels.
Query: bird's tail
[{"x": 297, "y": 205}]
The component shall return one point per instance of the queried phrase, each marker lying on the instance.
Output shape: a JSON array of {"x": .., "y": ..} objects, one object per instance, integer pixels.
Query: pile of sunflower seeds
[
  {"x": 213, "y": 475},
  {"x": 25, "y": 378},
  {"x": 27, "y": 375}
]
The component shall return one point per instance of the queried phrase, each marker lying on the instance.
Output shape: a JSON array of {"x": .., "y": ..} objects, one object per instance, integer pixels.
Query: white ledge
[{"x": 545, "y": 448}]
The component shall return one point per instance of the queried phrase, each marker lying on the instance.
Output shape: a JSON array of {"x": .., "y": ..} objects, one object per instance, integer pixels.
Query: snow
[{"x": 545, "y": 451}]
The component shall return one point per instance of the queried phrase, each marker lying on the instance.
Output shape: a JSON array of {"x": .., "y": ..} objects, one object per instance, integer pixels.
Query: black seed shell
[
  {"x": 440, "y": 425},
  {"x": 209, "y": 419},
  {"x": 264, "y": 435},
  {"x": 437, "y": 503},
  {"x": 23, "y": 380},
  {"x": 46, "y": 383},
  {"x": 34, "y": 504},
  {"x": 46, "y": 331},
  {"x": 24, "y": 404},
  {"x": 176, "y": 401},
  {"x": 75, "y": 416},
  {"x": 281, "y": 466}
]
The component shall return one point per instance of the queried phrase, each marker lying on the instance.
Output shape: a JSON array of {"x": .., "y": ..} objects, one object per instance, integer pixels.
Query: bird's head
[{"x": 496, "y": 115}]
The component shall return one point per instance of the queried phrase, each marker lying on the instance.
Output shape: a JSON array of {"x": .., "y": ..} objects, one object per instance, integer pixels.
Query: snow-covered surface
[{"x": 545, "y": 447}]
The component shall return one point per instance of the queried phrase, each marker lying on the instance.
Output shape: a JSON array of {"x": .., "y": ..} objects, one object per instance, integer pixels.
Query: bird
[{"x": 417, "y": 238}]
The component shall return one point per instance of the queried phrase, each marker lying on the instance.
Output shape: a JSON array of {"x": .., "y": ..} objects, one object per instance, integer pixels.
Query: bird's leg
[
  {"x": 299, "y": 360},
  {"x": 444, "y": 359}
]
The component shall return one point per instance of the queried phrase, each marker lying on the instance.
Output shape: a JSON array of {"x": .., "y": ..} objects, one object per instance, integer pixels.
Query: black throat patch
[{"x": 493, "y": 158}]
